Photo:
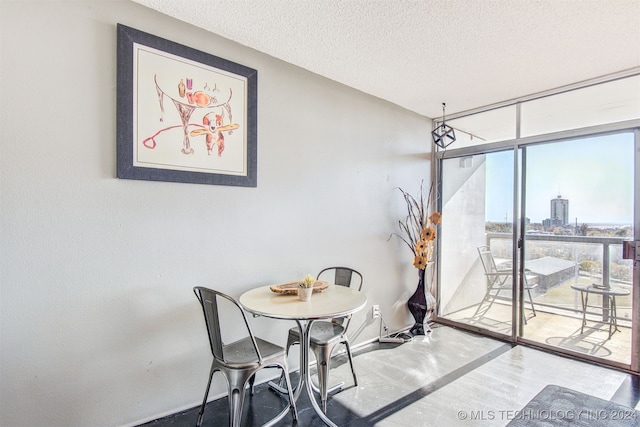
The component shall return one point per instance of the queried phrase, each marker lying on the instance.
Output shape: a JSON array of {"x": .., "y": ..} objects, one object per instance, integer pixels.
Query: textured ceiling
[{"x": 420, "y": 53}]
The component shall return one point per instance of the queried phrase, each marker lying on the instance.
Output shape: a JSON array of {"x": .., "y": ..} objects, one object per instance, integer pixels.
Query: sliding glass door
[
  {"x": 578, "y": 210},
  {"x": 531, "y": 244},
  {"x": 477, "y": 202}
]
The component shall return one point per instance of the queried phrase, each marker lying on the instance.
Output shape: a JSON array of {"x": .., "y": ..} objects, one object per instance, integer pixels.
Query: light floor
[
  {"x": 558, "y": 330},
  {"x": 446, "y": 378}
]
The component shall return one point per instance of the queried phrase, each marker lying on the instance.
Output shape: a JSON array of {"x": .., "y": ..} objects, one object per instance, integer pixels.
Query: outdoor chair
[{"x": 500, "y": 280}]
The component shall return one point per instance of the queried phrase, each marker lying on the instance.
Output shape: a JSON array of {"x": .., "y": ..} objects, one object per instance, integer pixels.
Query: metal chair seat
[
  {"x": 322, "y": 333},
  {"x": 241, "y": 354}
]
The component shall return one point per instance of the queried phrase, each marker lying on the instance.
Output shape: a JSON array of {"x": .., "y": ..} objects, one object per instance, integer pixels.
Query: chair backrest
[
  {"x": 211, "y": 309},
  {"x": 488, "y": 263},
  {"x": 495, "y": 277},
  {"x": 343, "y": 276}
]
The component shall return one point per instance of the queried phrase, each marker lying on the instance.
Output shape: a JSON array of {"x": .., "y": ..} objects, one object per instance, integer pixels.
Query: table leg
[
  {"x": 613, "y": 316},
  {"x": 584, "y": 299},
  {"x": 304, "y": 380},
  {"x": 606, "y": 308}
]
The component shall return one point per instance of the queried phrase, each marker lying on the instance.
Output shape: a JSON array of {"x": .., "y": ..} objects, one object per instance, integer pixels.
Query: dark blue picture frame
[{"x": 126, "y": 109}]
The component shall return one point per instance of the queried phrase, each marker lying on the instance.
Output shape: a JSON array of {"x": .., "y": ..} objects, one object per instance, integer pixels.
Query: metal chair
[
  {"x": 326, "y": 335},
  {"x": 499, "y": 280},
  {"x": 239, "y": 360}
]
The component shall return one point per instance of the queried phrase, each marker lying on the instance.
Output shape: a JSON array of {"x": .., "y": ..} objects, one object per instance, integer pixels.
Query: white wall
[
  {"x": 98, "y": 323},
  {"x": 463, "y": 196}
]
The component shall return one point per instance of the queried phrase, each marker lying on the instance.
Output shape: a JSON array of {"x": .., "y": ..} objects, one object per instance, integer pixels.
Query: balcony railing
[{"x": 593, "y": 258}]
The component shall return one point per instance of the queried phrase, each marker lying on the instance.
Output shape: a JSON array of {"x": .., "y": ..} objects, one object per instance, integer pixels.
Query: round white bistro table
[{"x": 334, "y": 301}]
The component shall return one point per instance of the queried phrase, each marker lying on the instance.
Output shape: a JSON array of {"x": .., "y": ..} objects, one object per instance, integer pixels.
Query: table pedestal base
[{"x": 305, "y": 374}]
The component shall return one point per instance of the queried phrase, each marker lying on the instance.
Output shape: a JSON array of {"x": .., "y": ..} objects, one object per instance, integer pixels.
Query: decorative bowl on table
[{"x": 291, "y": 288}]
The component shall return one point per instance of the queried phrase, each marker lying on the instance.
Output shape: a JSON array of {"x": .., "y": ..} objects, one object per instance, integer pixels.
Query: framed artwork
[{"x": 184, "y": 115}]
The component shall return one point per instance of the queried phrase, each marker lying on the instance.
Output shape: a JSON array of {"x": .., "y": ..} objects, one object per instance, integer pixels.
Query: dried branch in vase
[{"x": 419, "y": 232}]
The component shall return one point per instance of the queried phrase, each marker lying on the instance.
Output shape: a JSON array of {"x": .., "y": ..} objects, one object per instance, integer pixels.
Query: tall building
[{"x": 560, "y": 211}]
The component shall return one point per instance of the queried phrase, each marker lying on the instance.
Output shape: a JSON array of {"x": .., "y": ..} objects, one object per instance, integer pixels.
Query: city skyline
[{"x": 595, "y": 174}]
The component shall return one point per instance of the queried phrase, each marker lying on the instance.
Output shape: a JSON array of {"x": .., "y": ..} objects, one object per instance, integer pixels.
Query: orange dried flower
[
  {"x": 428, "y": 234},
  {"x": 420, "y": 262},
  {"x": 421, "y": 247},
  {"x": 435, "y": 217}
]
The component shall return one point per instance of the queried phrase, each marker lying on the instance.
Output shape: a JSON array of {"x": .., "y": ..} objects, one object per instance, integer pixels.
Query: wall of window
[
  {"x": 490, "y": 178},
  {"x": 612, "y": 100}
]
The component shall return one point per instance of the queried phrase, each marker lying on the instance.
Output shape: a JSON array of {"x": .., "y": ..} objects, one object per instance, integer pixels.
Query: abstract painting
[{"x": 183, "y": 115}]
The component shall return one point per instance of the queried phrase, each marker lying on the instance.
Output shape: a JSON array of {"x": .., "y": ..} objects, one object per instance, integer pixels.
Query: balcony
[{"x": 557, "y": 262}]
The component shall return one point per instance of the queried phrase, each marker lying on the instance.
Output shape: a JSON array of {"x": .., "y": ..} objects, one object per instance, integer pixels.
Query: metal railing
[
  {"x": 605, "y": 242},
  {"x": 570, "y": 252}
]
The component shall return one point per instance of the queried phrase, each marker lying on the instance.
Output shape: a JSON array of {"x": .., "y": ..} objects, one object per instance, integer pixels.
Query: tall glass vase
[{"x": 421, "y": 305}]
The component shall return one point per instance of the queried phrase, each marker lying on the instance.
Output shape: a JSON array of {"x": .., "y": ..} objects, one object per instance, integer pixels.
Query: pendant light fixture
[{"x": 443, "y": 135}]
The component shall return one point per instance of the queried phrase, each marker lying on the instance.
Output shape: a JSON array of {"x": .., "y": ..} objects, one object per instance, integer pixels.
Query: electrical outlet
[{"x": 375, "y": 311}]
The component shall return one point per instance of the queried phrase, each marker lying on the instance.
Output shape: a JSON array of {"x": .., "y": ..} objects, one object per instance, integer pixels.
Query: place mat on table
[{"x": 292, "y": 287}]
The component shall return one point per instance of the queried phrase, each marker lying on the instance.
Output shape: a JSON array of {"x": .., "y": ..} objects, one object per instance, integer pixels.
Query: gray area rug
[{"x": 559, "y": 406}]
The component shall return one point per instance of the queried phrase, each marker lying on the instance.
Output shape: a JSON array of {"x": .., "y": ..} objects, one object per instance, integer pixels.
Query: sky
[{"x": 595, "y": 174}]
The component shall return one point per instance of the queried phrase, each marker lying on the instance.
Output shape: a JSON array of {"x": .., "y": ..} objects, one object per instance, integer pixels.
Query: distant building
[
  {"x": 550, "y": 272},
  {"x": 552, "y": 222},
  {"x": 560, "y": 211}
]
